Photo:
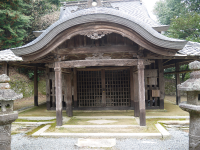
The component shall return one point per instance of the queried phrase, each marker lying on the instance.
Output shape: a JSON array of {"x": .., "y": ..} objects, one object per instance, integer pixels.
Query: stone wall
[{"x": 170, "y": 88}]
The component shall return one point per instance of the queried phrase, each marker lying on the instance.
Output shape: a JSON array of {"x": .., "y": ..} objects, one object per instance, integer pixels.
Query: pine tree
[{"x": 13, "y": 23}]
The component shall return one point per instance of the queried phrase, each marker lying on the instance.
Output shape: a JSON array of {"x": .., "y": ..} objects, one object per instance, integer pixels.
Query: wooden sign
[{"x": 155, "y": 93}]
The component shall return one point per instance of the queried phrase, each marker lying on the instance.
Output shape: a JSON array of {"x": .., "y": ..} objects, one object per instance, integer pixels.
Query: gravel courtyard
[{"x": 178, "y": 141}]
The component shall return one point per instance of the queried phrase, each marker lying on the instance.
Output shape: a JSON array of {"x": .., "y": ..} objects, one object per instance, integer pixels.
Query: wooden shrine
[{"x": 101, "y": 58}]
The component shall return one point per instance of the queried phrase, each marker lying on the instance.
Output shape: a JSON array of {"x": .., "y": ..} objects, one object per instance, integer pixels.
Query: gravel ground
[{"x": 178, "y": 141}]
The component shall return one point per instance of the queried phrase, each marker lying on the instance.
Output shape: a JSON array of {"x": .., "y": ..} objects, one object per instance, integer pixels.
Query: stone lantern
[
  {"x": 7, "y": 115},
  {"x": 192, "y": 86}
]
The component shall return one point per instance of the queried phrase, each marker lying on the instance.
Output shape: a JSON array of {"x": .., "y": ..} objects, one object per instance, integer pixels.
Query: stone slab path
[{"x": 82, "y": 142}]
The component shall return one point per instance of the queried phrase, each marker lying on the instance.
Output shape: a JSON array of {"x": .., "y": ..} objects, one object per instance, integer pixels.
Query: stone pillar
[
  {"x": 58, "y": 84},
  {"x": 7, "y": 115},
  {"x": 141, "y": 92},
  {"x": 6, "y": 68}
]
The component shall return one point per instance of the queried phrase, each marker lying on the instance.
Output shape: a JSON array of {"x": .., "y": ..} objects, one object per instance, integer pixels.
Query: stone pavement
[{"x": 98, "y": 141}]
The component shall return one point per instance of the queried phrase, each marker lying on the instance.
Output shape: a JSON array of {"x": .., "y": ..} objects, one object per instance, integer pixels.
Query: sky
[{"x": 149, "y": 5}]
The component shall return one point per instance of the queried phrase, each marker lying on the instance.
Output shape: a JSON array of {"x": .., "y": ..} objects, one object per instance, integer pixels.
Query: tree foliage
[
  {"x": 183, "y": 17},
  {"x": 186, "y": 27},
  {"x": 19, "y": 18},
  {"x": 39, "y": 8},
  {"x": 13, "y": 23},
  {"x": 165, "y": 10}
]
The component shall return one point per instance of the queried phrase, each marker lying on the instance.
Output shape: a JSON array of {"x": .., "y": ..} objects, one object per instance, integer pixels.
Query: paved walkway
[
  {"x": 174, "y": 138},
  {"x": 178, "y": 141}
]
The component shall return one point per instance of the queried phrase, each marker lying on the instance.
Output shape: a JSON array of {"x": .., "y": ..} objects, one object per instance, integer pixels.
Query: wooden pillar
[
  {"x": 48, "y": 89},
  {"x": 6, "y": 68},
  {"x": 75, "y": 88},
  {"x": 161, "y": 83},
  {"x": 35, "y": 86},
  {"x": 136, "y": 100},
  {"x": 141, "y": 92},
  {"x": 58, "y": 85},
  {"x": 69, "y": 109},
  {"x": 103, "y": 88},
  {"x": 131, "y": 87},
  {"x": 178, "y": 96}
]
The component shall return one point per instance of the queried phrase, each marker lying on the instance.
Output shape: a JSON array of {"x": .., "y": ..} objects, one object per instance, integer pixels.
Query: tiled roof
[
  {"x": 8, "y": 55},
  {"x": 191, "y": 49},
  {"x": 95, "y": 14},
  {"x": 132, "y": 8}
]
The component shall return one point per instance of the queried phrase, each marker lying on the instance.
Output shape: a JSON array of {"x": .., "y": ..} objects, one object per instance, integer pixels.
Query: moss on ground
[
  {"x": 170, "y": 110},
  {"x": 150, "y": 128},
  {"x": 36, "y": 129},
  {"x": 79, "y": 121},
  {"x": 24, "y": 120}
]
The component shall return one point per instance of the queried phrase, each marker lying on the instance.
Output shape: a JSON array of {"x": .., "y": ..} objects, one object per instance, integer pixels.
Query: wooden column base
[
  {"x": 48, "y": 105},
  {"x": 136, "y": 109},
  {"x": 75, "y": 104},
  {"x": 142, "y": 117},
  {"x": 161, "y": 104},
  {"x": 35, "y": 100},
  {"x": 69, "y": 110},
  {"x": 59, "y": 118},
  {"x": 178, "y": 99}
]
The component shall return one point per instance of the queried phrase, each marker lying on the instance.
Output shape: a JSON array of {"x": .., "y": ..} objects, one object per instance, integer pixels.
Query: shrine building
[{"x": 104, "y": 55}]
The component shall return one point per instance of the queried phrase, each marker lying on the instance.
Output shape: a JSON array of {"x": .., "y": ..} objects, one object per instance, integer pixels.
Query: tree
[
  {"x": 183, "y": 17},
  {"x": 13, "y": 23},
  {"x": 185, "y": 27},
  {"x": 19, "y": 18},
  {"x": 165, "y": 10},
  {"x": 40, "y": 9}
]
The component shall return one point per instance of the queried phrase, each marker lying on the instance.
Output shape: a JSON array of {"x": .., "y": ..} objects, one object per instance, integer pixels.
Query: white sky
[{"x": 149, "y": 5}]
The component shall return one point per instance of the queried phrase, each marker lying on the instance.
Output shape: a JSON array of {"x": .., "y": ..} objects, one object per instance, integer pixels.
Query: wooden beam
[
  {"x": 179, "y": 72},
  {"x": 141, "y": 92},
  {"x": 103, "y": 88},
  {"x": 100, "y": 62},
  {"x": 178, "y": 96},
  {"x": 6, "y": 68},
  {"x": 48, "y": 92},
  {"x": 35, "y": 86},
  {"x": 131, "y": 87},
  {"x": 97, "y": 49},
  {"x": 161, "y": 83},
  {"x": 75, "y": 88},
  {"x": 180, "y": 61},
  {"x": 136, "y": 99},
  {"x": 100, "y": 68},
  {"x": 58, "y": 84},
  {"x": 69, "y": 95}
]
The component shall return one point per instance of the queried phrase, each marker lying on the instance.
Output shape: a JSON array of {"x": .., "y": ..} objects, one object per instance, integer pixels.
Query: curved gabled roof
[
  {"x": 96, "y": 14},
  {"x": 133, "y": 8}
]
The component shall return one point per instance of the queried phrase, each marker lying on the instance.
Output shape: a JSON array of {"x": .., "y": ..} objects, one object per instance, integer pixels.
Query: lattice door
[
  {"x": 89, "y": 90},
  {"x": 117, "y": 87}
]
